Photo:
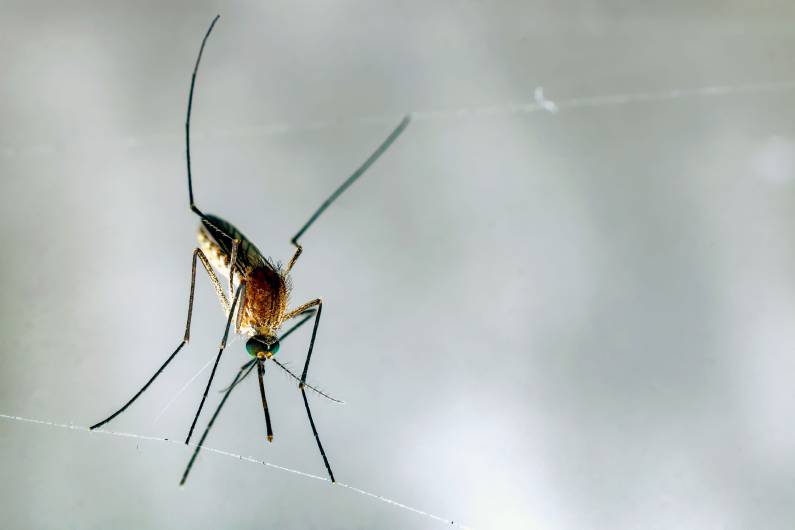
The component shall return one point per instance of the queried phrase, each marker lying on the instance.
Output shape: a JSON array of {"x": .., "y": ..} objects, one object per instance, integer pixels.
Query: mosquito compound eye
[
  {"x": 260, "y": 346},
  {"x": 256, "y": 347}
]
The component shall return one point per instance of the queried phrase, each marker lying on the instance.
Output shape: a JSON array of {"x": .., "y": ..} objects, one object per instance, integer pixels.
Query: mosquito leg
[
  {"x": 241, "y": 374},
  {"x": 309, "y": 313},
  {"x": 197, "y": 253},
  {"x": 303, "y": 309},
  {"x": 187, "y": 119},
  {"x": 245, "y": 370},
  {"x": 240, "y": 306},
  {"x": 317, "y": 437},
  {"x": 319, "y": 304},
  {"x": 218, "y": 358},
  {"x": 232, "y": 261},
  {"x": 260, "y": 374},
  {"x": 344, "y": 186},
  {"x": 219, "y": 291},
  {"x": 298, "y": 250}
]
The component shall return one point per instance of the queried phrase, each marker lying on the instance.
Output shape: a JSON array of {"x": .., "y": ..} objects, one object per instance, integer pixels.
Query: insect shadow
[{"x": 257, "y": 295}]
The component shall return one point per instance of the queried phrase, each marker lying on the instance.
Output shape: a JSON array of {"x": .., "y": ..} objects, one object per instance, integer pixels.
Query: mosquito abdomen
[{"x": 217, "y": 257}]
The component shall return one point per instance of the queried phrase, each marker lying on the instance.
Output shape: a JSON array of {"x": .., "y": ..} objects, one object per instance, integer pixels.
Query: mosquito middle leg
[{"x": 197, "y": 253}]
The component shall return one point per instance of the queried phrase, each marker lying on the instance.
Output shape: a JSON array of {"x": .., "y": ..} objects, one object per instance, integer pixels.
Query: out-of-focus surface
[{"x": 571, "y": 320}]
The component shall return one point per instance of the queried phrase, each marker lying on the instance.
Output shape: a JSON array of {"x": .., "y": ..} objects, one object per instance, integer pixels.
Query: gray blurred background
[{"x": 572, "y": 320}]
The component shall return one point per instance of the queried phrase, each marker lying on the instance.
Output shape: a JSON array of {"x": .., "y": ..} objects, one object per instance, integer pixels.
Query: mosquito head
[{"x": 262, "y": 346}]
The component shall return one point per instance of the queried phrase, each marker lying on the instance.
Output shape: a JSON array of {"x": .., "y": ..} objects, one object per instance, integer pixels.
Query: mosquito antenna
[
  {"x": 187, "y": 120},
  {"x": 284, "y": 335},
  {"x": 356, "y": 174},
  {"x": 307, "y": 385}
]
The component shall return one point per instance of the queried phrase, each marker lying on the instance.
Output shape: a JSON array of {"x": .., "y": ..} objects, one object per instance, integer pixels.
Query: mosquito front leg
[
  {"x": 319, "y": 304},
  {"x": 297, "y": 311},
  {"x": 197, "y": 253},
  {"x": 342, "y": 187},
  {"x": 235, "y": 300}
]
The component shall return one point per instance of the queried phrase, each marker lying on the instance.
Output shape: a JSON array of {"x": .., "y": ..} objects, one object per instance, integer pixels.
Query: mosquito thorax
[{"x": 262, "y": 346}]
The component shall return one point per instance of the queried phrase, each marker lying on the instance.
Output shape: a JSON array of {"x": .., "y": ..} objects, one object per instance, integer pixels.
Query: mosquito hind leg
[
  {"x": 344, "y": 186},
  {"x": 197, "y": 253},
  {"x": 298, "y": 250},
  {"x": 187, "y": 118}
]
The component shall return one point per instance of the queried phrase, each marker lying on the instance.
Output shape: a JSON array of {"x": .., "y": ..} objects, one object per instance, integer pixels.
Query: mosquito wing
[{"x": 223, "y": 233}]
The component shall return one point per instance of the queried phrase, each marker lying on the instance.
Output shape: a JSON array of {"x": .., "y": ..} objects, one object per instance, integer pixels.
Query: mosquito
[{"x": 258, "y": 292}]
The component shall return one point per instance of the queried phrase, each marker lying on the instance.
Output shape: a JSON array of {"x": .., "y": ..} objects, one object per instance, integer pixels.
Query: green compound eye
[
  {"x": 262, "y": 347},
  {"x": 253, "y": 347}
]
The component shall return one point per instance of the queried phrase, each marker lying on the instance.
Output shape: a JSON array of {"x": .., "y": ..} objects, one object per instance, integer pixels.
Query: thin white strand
[
  {"x": 405, "y": 507},
  {"x": 181, "y": 390},
  {"x": 237, "y": 457},
  {"x": 539, "y": 104},
  {"x": 543, "y": 104}
]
